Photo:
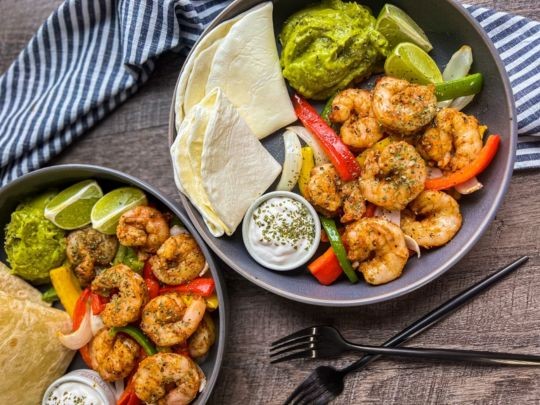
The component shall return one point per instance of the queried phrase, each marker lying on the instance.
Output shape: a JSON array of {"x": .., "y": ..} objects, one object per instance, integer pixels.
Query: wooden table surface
[{"x": 134, "y": 139}]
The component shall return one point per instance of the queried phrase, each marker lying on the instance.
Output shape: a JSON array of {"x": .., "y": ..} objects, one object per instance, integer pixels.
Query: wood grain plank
[{"x": 507, "y": 317}]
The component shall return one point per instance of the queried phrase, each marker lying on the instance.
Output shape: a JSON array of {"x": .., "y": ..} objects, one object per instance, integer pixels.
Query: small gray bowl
[
  {"x": 65, "y": 175},
  {"x": 448, "y": 26}
]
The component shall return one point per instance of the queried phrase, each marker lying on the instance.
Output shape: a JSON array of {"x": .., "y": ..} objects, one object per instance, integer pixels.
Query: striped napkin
[{"x": 91, "y": 55}]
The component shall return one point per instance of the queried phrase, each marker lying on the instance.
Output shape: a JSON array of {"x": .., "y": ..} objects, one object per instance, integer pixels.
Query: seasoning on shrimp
[
  {"x": 129, "y": 295},
  {"x": 432, "y": 219},
  {"x": 378, "y": 247},
  {"x": 143, "y": 227},
  {"x": 200, "y": 343},
  {"x": 353, "y": 109},
  {"x": 178, "y": 260},
  {"x": 158, "y": 373},
  {"x": 401, "y": 107},
  {"x": 394, "y": 176}
]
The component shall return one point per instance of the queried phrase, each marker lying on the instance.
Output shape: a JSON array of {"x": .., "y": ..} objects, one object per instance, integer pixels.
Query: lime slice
[
  {"x": 410, "y": 62},
  {"x": 70, "y": 209},
  {"x": 397, "y": 27},
  {"x": 108, "y": 210}
]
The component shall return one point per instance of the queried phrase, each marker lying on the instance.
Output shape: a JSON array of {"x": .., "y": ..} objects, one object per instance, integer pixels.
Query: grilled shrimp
[
  {"x": 178, "y": 260},
  {"x": 168, "y": 320},
  {"x": 129, "y": 295},
  {"x": 88, "y": 248},
  {"x": 329, "y": 195},
  {"x": 113, "y": 357},
  {"x": 379, "y": 247},
  {"x": 203, "y": 339},
  {"x": 401, "y": 107},
  {"x": 143, "y": 227},
  {"x": 432, "y": 219},
  {"x": 453, "y": 142},
  {"x": 157, "y": 373},
  {"x": 352, "y": 108},
  {"x": 393, "y": 176}
]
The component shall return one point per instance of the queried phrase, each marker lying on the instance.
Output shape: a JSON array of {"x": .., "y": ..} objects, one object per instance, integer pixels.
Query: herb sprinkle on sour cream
[{"x": 281, "y": 230}]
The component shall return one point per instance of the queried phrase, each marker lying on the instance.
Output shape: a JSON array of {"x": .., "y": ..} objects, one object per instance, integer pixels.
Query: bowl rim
[
  {"x": 95, "y": 170},
  {"x": 476, "y": 235}
]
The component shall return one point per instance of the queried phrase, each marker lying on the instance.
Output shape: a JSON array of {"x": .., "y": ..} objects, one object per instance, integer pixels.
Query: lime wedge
[
  {"x": 410, "y": 62},
  {"x": 109, "y": 208},
  {"x": 70, "y": 209},
  {"x": 397, "y": 27}
]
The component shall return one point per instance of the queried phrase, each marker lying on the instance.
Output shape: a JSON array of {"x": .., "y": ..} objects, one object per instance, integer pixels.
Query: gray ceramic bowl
[
  {"x": 65, "y": 175},
  {"x": 448, "y": 26}
]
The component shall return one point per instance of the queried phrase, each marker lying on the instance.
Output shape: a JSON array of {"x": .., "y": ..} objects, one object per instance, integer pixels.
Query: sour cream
[
  {"x": 281, "y": 230},
  {"x": 80, "y": 387}
]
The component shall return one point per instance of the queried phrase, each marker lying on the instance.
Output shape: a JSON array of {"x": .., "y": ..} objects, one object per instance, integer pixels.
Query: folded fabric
[{"x": 91, "y": 55}]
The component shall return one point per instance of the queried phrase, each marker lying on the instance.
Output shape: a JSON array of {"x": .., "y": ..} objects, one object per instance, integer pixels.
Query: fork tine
[
  {"x": 313, "y": 394},
  {"x": 324, "y": 398},
  {"x": 306, "y": 344},
  {"x": 305, "y": 393},
  {"x": 298, "y": 355},
  {"x": 305, "y": 339},
  {"x": 304, "y": 385},
  {"x": 312, "y": 330}
]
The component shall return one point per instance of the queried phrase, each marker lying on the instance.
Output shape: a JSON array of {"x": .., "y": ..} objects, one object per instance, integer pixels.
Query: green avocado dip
[
  {"x": 33, "y": 244},
  {"x": 328, "y": 46}
]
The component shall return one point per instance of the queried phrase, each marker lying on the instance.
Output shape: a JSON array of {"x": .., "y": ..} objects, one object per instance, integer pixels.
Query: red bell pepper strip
[
  {"x": 97, "y": 303},
  {"x": 370, "y": 210},
  {"x": 482, "y": 161},
  {"x": 80, "y": 308},
  {"x": 203, "y": 286},
  {"x": 338, "y": 153},
  {"x": 128, "y": 397},
  {"x": 326, "y": 268},
  {"x": 85, "y": 354},
  {"x": 152, "y": 283}
]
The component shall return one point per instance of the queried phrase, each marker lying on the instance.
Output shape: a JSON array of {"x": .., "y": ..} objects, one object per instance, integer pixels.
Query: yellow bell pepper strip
[
  {"x": 212, "y": 302},
  {"x": 305, "y": 171},
  {"x": 339, "y": 249},
  {"x": 326, "y": 268},
  {"x": 465, "y": 86},
  {"x": 339, "y": 154},
  {"x": 49, "y": 295},
  {"x": 482, "y": 161},
  {"x": 138, "y": 336},
  {"x": 66, "y": 286}
]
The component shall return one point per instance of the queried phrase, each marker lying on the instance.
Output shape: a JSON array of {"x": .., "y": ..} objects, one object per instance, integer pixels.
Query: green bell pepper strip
[
  {"x": 327, "y": 109},
  {"x": 128, "y": 256},
  {"x": 138, "y": 336},
  {"x": 465, "y": 86},
  {"x": 49, "y": 295},
  {"x": 339, "y": 249}
]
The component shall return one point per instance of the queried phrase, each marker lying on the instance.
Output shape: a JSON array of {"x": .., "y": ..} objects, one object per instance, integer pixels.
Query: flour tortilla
[
  {"x": 31, "y": 356},
  {"x": 206, "y": 41},
  {"x": 246, "y": 67},
  {"x": 219, "y": 163},
  {"x": 236, "y": 169},
  {"x": 18, "y": 288}
]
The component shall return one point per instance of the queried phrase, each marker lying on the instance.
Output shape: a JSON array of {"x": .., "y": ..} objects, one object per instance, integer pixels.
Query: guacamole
[
  {"x": 328, "y": 46},
  {"x": 33, "y": 244}
]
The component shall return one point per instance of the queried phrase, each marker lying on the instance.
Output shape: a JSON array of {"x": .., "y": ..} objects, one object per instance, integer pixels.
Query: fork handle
[{"x": 474, "y": 356}]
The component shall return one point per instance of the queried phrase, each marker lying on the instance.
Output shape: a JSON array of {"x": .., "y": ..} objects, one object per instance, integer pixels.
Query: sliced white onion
[
  {"x": 470, "y": 186},
  {"x": 434, "y": 172},
  {"x": 461, "y": 102},
  {"x": 77, "y": 339},
  {"x": 412, "y": 245},
  {"x": 96, "y": 323},
  {"x": 292, "y": 163},
  {"x": 318, "y": 154},
  {"x": 178, "y": 230},
  {"x": 458, "y": 66},
  {"x": 203, "y": 379},
  {"x": 119, "y": 388},
  {"x": 204, "y": 270},
  {"x": 390, "y": 216}
]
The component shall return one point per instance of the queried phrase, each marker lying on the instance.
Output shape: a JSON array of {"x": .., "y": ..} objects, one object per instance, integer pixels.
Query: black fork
[{"x": 325, "y": 383}]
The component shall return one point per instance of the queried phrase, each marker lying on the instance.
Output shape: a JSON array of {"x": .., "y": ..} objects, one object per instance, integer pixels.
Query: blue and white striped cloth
[{"x": 91, "y": 55}]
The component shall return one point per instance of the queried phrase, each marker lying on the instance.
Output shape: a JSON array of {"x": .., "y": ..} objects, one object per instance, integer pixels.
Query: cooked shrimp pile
[
  {"x": 165, "y": 305},
  {"x": 399, "y": 135}
]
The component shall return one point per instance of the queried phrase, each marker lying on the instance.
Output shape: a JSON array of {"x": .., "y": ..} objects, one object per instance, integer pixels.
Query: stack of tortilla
[
  {"x": 230, "y": 95},
  {"x": 31, "y": 356}
]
